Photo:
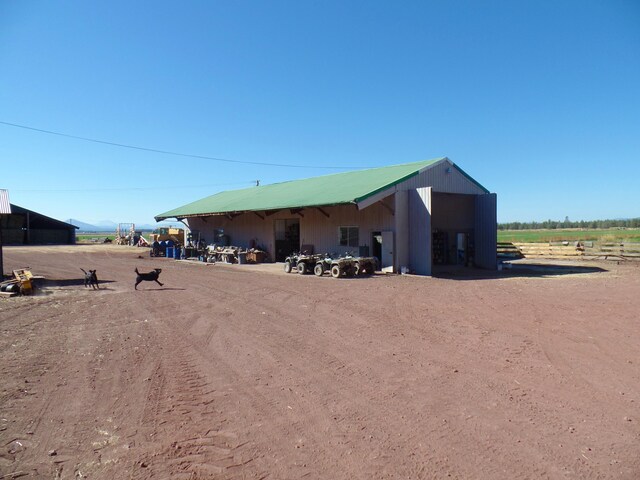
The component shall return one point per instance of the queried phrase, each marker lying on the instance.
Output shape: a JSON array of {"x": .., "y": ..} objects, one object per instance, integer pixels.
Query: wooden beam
[
  {"x": 231, "y": 216},
  {"x": 271, "y": 212},
  {"x": 387, "y": 207},
  {"x": 258, "y": 215},
  {"x": 297, "y": 211},
  {"x": 323, "y": 212}
]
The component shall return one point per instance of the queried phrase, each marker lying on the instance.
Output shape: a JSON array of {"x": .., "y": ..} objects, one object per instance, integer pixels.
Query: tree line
[{"x": 555, "y": 224}]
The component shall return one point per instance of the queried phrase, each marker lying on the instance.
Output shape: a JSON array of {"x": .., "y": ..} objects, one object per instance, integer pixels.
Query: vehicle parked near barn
[
  {"x": 366, "y": 265},
  {"x": 346, "y": 266},
  {"x": 302, "y": 263},
  {"x": 323, "y": 265}
]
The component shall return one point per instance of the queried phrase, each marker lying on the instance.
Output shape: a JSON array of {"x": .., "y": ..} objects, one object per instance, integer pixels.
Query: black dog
[
  {"x": 90, "y": 279},
  {"x": 149, "y": 277}
]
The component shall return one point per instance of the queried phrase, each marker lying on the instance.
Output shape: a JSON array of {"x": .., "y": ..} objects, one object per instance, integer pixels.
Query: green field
[
  {"x": 571, "y": 235},
  {"x": 94, "y": 237}
]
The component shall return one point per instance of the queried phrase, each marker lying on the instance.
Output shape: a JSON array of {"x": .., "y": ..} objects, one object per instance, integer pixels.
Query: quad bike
[
  {"x": 291, "y": 262},
  {"x": 323, "y": 265},
  {"x": 346, "y": 266},
  {"x": 306, "y": 263},
  {"x": 343, "y": 267},
  {"x": 366, "y": 265},
  {"x": 302, "y": 263}
]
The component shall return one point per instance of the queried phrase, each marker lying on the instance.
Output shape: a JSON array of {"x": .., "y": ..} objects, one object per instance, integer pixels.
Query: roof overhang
[{"x": 234, "y": 213}]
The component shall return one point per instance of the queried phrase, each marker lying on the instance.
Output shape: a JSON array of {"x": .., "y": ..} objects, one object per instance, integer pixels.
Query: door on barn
[{"x": 387, "y": 252}]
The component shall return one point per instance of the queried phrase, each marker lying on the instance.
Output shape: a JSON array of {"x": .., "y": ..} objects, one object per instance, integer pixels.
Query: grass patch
[
  {"x": 571, "y": 235},
  {"x": 94, "y": 237}
]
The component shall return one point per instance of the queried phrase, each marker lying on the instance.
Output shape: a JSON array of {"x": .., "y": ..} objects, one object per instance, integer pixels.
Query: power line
[
  {"x": 177, "y": 154},
  {"x": 128, "y": 189}
]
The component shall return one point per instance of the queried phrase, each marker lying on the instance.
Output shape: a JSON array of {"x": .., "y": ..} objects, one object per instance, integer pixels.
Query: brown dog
[{"x": 149, "y": 277}]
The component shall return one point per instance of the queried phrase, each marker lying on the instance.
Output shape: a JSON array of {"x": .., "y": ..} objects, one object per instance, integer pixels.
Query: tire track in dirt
[
  {"x": 183, "y": 401},
  {"x": 256, "y": 400},
  {"x": 38, "y": 365},
  {"x": 540, "y": 353},
  {"x": 319, "y": 343},
  {"x": 322, "y": 388},
  {"x": 501, "y": 403}
]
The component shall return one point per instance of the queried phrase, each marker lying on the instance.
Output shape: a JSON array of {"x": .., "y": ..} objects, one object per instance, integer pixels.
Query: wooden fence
[{"x": 605, "y": 250}]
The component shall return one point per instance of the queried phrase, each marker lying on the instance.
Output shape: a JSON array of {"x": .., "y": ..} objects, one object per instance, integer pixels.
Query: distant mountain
[
  {"x": 108, "y": 226},
  {"x": 85, "y": 227}
]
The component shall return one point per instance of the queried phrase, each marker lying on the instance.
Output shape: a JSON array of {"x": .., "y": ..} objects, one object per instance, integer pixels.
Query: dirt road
[{"x": 233, "y": 372}]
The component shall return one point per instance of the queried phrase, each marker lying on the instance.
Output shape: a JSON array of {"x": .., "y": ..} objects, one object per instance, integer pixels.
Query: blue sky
[{"x": 539, "y": 101}]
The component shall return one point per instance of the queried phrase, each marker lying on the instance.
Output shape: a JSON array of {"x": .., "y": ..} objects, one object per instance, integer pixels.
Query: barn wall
[
  {"x": 439, "y": 180},
  {"x": 401, "y": 230},
  {"x": 438, "y": 199},
  {"x": 486, "y": 233},
  {"x": 315, "y": 228},
  {"x": 13, "y": 237},
  {"x": 420, "y": 230},
  {"x": 51, "y": 237},
  {"x": 14, "y": 233}
]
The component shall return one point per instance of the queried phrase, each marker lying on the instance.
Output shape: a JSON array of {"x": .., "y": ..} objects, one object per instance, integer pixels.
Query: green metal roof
[{"x": 339, "y": 188}]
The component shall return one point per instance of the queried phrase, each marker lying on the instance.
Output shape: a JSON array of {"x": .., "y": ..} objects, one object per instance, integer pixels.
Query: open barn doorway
[{"x": 287, "y": 236}]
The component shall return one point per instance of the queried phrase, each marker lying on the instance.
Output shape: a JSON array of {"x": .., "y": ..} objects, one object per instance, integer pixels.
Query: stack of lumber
[
  {"x": 507, "y": 250},
  {"x": 550, "y": 250}
]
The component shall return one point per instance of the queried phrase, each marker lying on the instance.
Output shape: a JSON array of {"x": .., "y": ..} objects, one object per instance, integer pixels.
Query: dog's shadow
[
  {"x": 68, "y": 282},
  {"x": 157, "y": 289}
]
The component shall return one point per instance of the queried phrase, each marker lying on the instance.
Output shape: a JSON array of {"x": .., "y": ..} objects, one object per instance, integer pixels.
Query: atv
[
  {"x": 302, "y": 263},
  {"x": 291, "y": 262},
  {"x": 346, "y": 266},
  {"x": 343, "y": 267},
  {"x": 323, "y": 265},
  {"x": 366, "y": 265}
]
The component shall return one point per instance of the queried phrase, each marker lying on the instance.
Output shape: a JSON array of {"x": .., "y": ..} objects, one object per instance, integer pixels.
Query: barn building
[
  {"x": 410, "y": 216},
  {"x": 26, "y": 227}
]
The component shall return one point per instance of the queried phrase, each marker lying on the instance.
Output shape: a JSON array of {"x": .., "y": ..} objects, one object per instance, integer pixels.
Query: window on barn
[{"x": 349, "y": 237}]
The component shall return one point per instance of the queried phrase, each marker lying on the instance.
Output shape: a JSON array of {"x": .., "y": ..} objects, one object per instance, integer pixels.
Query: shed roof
[
  {"x": 38, "y": 220},
  {"x": 336, "y": 189}
]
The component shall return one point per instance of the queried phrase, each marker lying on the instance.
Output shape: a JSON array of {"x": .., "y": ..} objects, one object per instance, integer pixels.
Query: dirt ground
[{"x": 244, "y": 372}]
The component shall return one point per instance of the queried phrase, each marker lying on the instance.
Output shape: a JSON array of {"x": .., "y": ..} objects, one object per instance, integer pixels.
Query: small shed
[
  {"x": 410, "y": 216},
  {"x": 26, "y": 227}
]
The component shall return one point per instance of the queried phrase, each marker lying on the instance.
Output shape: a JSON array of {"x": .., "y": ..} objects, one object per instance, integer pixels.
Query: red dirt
[{"x": 239, "y": 372}]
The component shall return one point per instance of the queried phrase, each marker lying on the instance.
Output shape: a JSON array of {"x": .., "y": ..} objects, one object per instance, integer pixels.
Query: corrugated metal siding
[
  {"x": 486, "y": 231},
  {"x": 5, "y": 206},
  {"x": 315, "y": 228},
  {"x": 441, "y": 181},
  {"x": 24, "y": 227},
  {"x": 420, "y": 230},
  {"x": 402, "y": 230},
  {"x": 322, "y": 232}
]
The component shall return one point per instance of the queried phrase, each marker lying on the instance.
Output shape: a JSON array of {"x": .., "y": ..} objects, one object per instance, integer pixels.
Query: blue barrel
[
  {"x": 170, "y": 252},
  {"x": 177, "y": 253}
]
